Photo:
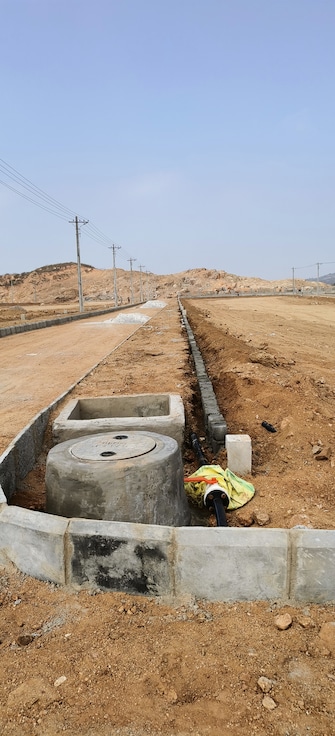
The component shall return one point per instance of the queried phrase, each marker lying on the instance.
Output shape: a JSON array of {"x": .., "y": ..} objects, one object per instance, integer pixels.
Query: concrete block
[
  {"x": 231, "y": 564},
  {"x": 161, "y": 413},
  {"x": 313, "y": 565},
  {"x": 134, "y": 558},
  {"x": 3, "y": 499},
  {"x": 24, "y": 452},
  {"x": 239, "y": 454},
  {"x": 39, "y": 426},
  {"x": 7, "y": 471},
  {"x": 34, "y": 542}
]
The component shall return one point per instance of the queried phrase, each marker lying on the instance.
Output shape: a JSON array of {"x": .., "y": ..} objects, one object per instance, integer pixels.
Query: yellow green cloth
[{"x": 238, "y": 490}]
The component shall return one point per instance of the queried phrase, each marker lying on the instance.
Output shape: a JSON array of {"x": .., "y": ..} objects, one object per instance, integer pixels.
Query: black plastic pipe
[
  {"x": 215, "y": 498},
  {"x": 197, "y": 449}
]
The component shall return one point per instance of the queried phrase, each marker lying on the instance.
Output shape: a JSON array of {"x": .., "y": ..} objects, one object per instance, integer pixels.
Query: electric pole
[
  {"x": 78, "y": 222},
  {"x": 114, "y": 248},
  {"x": 147, "y": 273},
  {"x": 131, "y": 260},
  {"x": 318, "y": 278},
  {"x": 141, "y": 285},
  {"x": 293, "y": 280}
]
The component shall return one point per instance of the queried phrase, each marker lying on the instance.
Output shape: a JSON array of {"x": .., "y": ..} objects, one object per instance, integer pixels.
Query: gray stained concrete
[
  {"x": 128, "y": 476},
  {"x": 217, "y": 564}
]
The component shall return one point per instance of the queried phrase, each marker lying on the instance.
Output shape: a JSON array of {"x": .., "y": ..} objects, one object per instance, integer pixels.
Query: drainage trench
[{"x": 158, "y": 559}]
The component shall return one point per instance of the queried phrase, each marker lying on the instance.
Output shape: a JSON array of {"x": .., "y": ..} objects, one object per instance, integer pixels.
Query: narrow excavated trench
[{"x": 252, "y": 385}]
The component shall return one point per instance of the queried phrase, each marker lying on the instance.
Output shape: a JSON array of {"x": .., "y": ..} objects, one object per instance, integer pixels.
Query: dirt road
[
  {"x": 38, "y": 366},
  {"x": 116, "y": 665}
]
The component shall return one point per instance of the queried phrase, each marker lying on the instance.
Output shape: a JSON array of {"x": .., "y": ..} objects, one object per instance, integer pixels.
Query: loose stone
[
  {"x": 283, "y": 621},
  {"x": 269, "y": 703},
  {"x": 265, "y": 684}
]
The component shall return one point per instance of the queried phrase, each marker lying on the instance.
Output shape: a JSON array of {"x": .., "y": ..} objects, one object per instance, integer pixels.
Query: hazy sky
[{"x": 192, "y": 133}]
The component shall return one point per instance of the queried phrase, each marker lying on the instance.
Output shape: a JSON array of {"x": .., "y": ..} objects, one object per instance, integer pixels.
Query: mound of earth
[{"x": 58, "y": 284}]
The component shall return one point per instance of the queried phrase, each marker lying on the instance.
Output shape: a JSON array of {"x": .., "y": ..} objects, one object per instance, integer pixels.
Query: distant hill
[
  {"x": 58, "y": 283},
  {"x": 329, "y": 278}
]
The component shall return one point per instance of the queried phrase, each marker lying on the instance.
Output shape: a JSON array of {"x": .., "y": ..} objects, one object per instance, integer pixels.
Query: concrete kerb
[
  {"x": 312, "y": 565},
  {"x": 215, "y": 424},
  {"x": 33, "y": 542},
  {"x": 232, "y": 564},
  {"x": 133, "y": 558},
  {"x": 220, "y": 564}
]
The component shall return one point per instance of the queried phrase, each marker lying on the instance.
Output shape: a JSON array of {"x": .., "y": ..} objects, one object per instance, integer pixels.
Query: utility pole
[
  {"x": 131, "y": 260},
  {"x": 293, "y": 280},
  {"x": 318, "y": 278},
  {"x": 147, "y": 273},
  {"x": 114, "y": 248},
  {"x": 141, "y": 285},
  {"x": 78, "y": 222}
]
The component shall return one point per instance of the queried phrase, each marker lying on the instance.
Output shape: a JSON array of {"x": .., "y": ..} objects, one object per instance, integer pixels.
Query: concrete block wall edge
[
  {"x": 119, "y": 556},
  {"x": 216, "y": 427},
  {"x": 311, "y": 565},
  {"x": 295, "y": 587},
  {"x": 231, "y": 564},
  {"x": 23, "y": 530}
]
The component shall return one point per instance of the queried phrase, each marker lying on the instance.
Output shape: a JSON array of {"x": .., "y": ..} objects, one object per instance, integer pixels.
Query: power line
[
  {"x": 44, "y": 201},
  {"x": 38, "y": 204},
  {"x": 18, "y": 178}
]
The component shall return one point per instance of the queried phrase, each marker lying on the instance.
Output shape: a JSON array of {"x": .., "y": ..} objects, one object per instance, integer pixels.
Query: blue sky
[{"x": 192, "y": 133}]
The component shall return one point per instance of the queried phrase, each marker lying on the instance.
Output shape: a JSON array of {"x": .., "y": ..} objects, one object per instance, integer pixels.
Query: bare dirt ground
[
  {"x": 108, "y": 664},
  {"x": 272, "y": 359}
]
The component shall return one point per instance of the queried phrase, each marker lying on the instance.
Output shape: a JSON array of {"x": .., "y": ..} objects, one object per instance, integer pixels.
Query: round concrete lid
[{"x": 118, "y": 446}]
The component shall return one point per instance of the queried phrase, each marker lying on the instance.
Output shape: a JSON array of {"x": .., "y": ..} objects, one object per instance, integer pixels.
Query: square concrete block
[
  {"x": 161, "y": 413},
  {"x": 313, "y": 565},
  {"x": 134, "y": 558},
  {"x": 221, "y": 564},
  {"x": 239, "y": 455},
  {"x": 34, "y": 542}
]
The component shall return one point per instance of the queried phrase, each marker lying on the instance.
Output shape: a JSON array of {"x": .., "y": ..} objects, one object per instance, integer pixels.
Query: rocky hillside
[{"x": 58, "y": 283}]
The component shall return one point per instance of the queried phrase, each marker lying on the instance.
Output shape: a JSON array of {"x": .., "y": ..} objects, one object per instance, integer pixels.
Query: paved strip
[{"x": 36, "y": 367}]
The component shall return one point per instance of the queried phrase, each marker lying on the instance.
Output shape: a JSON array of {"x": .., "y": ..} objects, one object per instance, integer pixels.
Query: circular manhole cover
[{"x": 118, "y": 446}]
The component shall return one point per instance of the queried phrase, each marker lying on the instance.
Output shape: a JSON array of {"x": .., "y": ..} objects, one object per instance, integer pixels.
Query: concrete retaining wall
[
  {"x": 216, "y": 564},
  {"x": 215, "y": 424}
]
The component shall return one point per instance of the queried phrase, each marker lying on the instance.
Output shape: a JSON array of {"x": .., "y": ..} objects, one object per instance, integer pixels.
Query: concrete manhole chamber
[
  {"x": 120, "y": 476},
  {"x": 162, "y": 413}
]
